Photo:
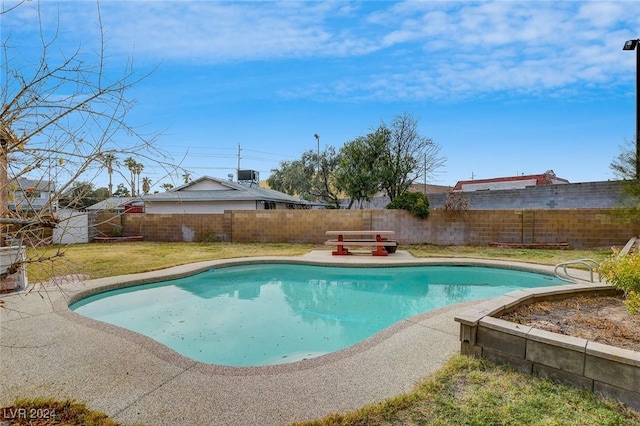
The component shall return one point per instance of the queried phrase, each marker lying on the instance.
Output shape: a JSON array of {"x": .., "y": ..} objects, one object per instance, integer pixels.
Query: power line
[{"x": 206, "y": 151}]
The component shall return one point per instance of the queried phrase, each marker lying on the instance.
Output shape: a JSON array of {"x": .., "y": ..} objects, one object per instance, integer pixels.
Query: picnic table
[{"x": 377, "y": 239}]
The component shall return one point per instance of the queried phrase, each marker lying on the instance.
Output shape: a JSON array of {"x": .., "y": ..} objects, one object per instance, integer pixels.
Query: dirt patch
[{"x": 602, "y": 319}]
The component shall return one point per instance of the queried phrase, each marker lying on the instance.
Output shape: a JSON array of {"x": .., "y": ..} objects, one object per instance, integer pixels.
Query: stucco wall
[{"x": 578, "y": 228}]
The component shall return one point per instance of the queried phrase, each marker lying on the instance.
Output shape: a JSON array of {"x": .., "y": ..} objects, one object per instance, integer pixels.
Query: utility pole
[
  {"x": 425, "y": 173},
  {"x": 318, "y": 157},
  {"x": 633, "y": 45},
  {"x": 238, "y": 170}
]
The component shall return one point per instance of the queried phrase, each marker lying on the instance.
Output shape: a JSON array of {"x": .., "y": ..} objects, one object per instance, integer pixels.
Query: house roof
[
  {"x": 233, "y": 192},
  {"x": 546, "y": 178},
  {"x": 112, "y": 203},
  {"x": 37, "y": 184}
]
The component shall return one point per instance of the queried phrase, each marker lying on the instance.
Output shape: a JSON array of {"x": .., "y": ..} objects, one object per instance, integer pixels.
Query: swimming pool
[{"x": 266, "y": 314}]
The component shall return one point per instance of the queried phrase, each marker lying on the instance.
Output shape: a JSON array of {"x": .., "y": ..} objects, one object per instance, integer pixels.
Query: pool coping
[{"x": 382, "y": 366}]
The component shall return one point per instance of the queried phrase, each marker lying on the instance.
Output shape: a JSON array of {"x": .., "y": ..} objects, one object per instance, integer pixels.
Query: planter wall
[{"x": 608, "y": 370}]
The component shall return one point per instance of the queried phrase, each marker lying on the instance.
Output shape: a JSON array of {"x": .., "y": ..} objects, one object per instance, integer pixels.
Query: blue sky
[{"x": 504, "y": 87}]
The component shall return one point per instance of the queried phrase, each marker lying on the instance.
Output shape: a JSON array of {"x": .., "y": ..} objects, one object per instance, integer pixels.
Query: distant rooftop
[{"x": 510, "y": 182}]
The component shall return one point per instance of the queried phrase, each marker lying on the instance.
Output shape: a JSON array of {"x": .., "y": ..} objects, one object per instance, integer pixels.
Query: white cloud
[
  {"x": 604, "y": 14},
  {"x": 471, "y": 48},
  {"x": 213, "y": 32},
  {"x": 408, "y": 50}
]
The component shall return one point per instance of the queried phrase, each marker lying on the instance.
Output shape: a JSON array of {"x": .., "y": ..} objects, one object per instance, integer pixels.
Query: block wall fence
[{"x": 580, "y": 228}]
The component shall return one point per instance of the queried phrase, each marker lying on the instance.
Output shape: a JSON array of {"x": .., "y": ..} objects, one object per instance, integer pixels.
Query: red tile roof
[{"x": 547, "y": 178}]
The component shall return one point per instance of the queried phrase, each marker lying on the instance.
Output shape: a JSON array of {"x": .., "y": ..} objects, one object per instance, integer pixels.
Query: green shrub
[
  {"x": 415, "y": 202},
  {"x": 623, "y": 272}
]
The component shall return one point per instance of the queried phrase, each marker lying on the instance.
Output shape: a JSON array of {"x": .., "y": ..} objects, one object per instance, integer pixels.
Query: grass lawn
[
  {"x": 465, "y": 391},
  {"x": 471, "y": 391},
  {"x": 103, "y": 260}
]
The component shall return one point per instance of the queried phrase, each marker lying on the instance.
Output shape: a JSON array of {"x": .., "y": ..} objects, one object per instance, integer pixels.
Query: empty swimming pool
[{"x": 265, "y": 314}]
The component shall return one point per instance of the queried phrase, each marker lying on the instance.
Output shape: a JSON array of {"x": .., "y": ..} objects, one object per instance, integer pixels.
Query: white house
[
  {"x": 31, "y": 195},
  {"x": 208, "y": 195}
]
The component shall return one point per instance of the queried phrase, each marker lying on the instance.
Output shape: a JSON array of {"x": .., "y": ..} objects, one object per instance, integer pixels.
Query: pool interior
[{"x": 267, "y": 314}]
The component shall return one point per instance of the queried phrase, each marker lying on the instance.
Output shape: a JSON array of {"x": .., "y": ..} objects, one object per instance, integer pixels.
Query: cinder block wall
[
  {"x": 579, "y": 228},
  {"x": 104, "y": 224},
  {"x": 296, "y": 226},
  {"x": 597, "y": 195},
  {"x": 175, "y": 228}
]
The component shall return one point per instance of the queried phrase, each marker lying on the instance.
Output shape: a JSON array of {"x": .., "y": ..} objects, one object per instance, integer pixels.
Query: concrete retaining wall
[{"x": 610, "y": 371}]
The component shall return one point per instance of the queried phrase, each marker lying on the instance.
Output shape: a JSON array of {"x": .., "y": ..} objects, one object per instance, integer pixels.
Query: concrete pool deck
[{"x": 46, "y": 350}]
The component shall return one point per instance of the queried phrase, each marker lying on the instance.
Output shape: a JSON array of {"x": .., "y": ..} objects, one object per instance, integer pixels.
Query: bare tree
[
  {"x": 59, "y": 120},
  {"x": 408, "y": 157}
]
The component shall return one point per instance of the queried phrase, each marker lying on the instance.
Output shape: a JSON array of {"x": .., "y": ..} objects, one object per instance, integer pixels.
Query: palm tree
[
  {"x": 166, "y": 186},
  {"x": 137, "y": 170},
  {"x": 146, "y": 185},
  {"x": 108, "y": 159},
  {"x": 186, "y": 177},
  {"x": 131, "y": 165}
]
